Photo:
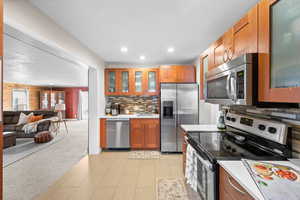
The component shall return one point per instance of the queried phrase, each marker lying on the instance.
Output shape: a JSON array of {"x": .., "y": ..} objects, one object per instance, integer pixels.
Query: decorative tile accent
[{"x": 136, "y": 104}]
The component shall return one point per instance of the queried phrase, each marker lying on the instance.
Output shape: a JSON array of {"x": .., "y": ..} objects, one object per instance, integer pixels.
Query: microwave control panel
[{"x": 240, "y": 84}]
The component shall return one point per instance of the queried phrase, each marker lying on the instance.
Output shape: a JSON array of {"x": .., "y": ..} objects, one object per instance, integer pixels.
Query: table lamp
[{"x": 59, "y": 108}]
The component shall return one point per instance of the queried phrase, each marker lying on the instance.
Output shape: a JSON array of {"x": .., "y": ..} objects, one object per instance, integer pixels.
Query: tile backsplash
[
  {"x": 290, "y": 117},
  {"x": 136, "y": 104}
]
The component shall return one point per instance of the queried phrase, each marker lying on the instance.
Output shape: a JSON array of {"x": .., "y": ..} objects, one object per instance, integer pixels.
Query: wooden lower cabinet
[
  {"x": 137, "y": 136},
  {"x": 152, "y": 136},
  {"x": 144, "y": 134},
  {"x": 102, "y": 133},
  {"x": 230, "y": 189}
]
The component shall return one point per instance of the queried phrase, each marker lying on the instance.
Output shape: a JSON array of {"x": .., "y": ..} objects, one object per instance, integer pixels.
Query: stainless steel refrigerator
[{"x": 179, "y": 105}]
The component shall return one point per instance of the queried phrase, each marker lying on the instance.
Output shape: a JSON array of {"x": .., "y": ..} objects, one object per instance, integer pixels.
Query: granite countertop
[
  {"x": 239, "y": 172},
  {"x": 200, "y": 127},
  {"x": 130, "y": 116}
]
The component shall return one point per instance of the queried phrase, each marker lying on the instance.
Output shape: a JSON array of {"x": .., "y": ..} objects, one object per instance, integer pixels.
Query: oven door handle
[{"x": 206, "y": 163}]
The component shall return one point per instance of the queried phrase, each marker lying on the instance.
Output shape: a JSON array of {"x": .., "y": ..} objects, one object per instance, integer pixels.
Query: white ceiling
[
  {"x": 28, "y": 62},
  {"x": 146, "y": 27}
]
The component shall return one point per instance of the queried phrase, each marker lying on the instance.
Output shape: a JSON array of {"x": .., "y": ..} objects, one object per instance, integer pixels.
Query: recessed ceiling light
[
  {"x": 51, "y": 83},
  {"x": 171, "y": 49},
  {"x": 142, "y": 57},
  {"x": 124, "y": 49}
]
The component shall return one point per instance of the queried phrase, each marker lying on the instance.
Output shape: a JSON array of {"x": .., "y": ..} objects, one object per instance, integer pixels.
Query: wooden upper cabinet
[
  {"x": 168, "y": 74},
  {"x": 228, "y": 45},
  {"x": 240, "y": 39},
  {"x": 123, "y": 76},
  {"x": 279, "y": 47},
  {"x": 152, "y": 85},
  {"x": 222, "y": 50},
  {"x": 112, "y": 82},
  {"x": 132, "y": 81},
  {"x": 139, "y": 81},
  {"x": 206, "y": 63},
  {"x": 245, "y": 34},
  {"x": 186, "y": 74},
  {"x": 177, "y": 74},
  {"x": 218, "y": 53}
]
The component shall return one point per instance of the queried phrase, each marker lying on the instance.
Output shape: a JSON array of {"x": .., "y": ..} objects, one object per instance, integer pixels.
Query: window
[{"x": 20, "y": 99}]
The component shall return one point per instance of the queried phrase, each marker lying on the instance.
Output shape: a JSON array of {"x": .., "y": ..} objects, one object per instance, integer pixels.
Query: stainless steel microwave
[{"x": 234, "y": 82}]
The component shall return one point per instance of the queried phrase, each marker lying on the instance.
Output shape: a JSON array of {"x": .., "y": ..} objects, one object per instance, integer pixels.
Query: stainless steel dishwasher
[{"x": 117, "y": 133}]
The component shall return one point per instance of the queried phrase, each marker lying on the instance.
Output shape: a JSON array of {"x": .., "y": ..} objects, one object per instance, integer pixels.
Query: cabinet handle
[
  {"x": 225, "y": 59},
  {"x": 232, "y": 53},
  {"x": 234, "y": 187}
]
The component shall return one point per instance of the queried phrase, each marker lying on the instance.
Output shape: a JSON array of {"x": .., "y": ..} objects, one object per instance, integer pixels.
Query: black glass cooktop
[{"x": 231, "y": 146}]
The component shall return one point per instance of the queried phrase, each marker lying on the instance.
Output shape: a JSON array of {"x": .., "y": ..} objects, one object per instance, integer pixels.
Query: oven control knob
[
  {"x": 228, "y": 118},
  {"x": 233, "y": 119},
  {"x": 261, "y": 127},
  {"x": 233, "y": 150},
  {"x": 272, "y": 130}
]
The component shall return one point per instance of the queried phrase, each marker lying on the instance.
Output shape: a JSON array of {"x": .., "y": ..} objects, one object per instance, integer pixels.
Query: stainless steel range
[{"x": 245, "y": 137}]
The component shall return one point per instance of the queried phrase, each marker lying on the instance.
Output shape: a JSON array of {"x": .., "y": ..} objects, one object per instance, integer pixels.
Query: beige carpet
[
  {"x": 32, "y": 175},
  {"x": 171, "y": 189},
  {"x": 25, "y": 147}
]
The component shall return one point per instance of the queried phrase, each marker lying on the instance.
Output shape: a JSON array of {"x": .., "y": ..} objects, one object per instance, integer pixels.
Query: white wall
[
  {"x": 208, "y": 113},
  {"x": 22, "y": 15}
]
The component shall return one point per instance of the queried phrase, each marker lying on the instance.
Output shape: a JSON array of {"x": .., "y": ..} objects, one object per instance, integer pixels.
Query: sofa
[{"x": 11, "y": 118}]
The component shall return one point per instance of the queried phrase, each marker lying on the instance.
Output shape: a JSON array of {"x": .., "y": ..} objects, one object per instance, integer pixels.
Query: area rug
[
  {"x": 144, "y": 155},
  {"x": 25, "y": 147},
  {"x": 171, "y": 189}
]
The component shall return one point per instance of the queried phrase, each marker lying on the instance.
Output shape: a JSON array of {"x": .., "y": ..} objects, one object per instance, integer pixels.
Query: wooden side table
[{"x": 57, "y": 124}]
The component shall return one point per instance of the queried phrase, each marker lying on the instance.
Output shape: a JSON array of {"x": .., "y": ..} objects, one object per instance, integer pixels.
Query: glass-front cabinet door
[
  {"x": 285, "y": 43},
  {"x": 279, "y": 63},
  {"x": 138, "y": 81},
  {"x": 152, "y": 82},
  {"x": 125, "y": 82},
  {"x": 131, "y": 81},
  {"x": 110, "y": 82}
]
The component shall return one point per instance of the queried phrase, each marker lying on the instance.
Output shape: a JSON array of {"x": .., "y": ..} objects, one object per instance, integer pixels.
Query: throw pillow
[
  {"x": 23, "y": 119},
  {"x": 35, "y": 118}
]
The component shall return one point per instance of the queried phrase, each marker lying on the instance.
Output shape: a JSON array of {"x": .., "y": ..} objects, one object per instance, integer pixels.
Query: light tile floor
[{"x": 112, "y": 176}]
